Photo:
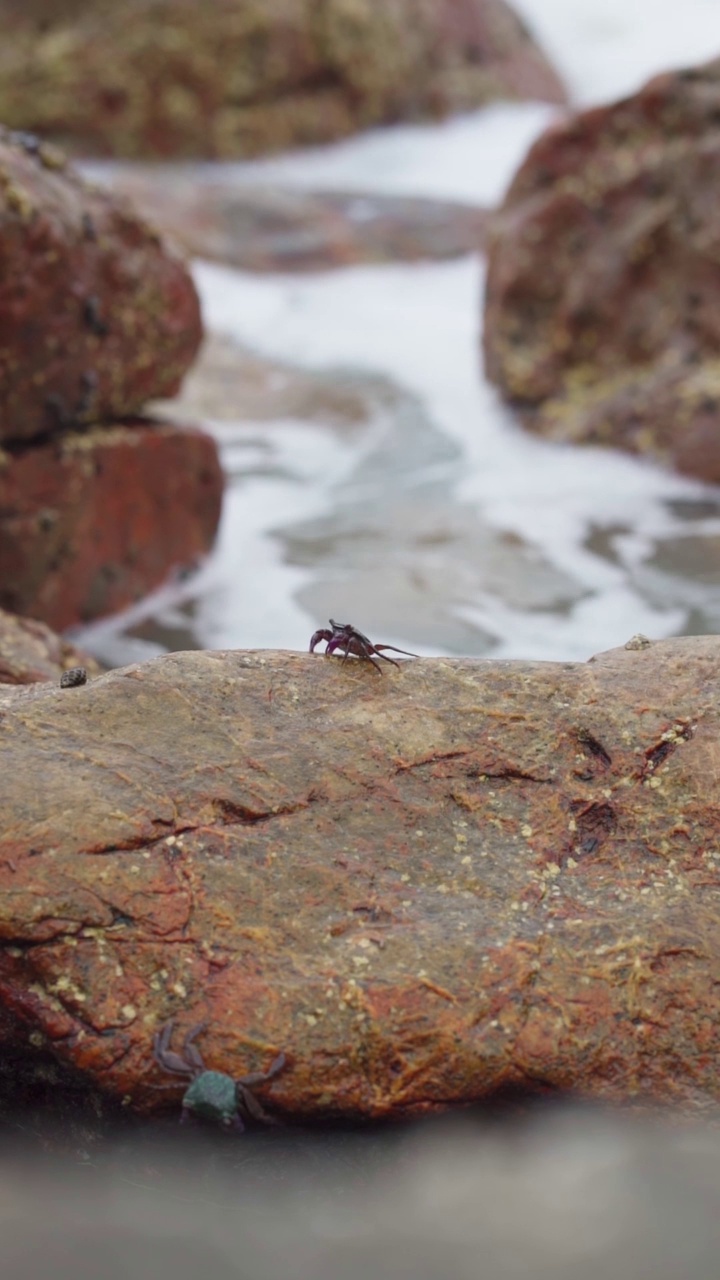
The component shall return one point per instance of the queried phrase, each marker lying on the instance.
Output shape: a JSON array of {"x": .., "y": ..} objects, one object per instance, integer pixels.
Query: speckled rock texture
[
  {"x": 91, "y": 521},
  {"x": 30, "y": 652},
  {"x": 240, "y": 77},
  {"x": 422, "y": 887},
  {"x": 97, "y": 315},
  {"x": 601, "y": 321}
]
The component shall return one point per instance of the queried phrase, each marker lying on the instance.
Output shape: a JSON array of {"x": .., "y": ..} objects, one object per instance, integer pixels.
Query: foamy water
[{"x": 586, "y": 522}]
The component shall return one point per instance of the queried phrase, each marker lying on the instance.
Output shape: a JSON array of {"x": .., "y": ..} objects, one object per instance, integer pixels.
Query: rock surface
[
  {"x": 92, "y": 521},
  {"x": 160, "y": 78},
  {"x": 30, "y": 652},
  {"x": 96, "y": 314},
  {"x": 275, "y": 229},
  {"x": 423, "y": 886},
  {"x": 601, "y": 319}
]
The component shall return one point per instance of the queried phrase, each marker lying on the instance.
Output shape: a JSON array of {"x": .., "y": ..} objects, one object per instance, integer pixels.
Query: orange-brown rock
[
  {"x": 601, "y": 319},
  {"x": 421, "y": 887},
  {"x": 239, "y": 77},
  {"x": 30, "y": 651},
  {"x": 261, "y": 228},
  {"x": 96, "y": 314},
  {"x": 91, "y": 521}
]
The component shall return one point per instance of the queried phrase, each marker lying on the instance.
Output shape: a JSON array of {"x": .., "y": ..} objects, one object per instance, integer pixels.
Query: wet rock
[
  {"x": 163, "y": 78},
  {"x": 422, "y": 887},
  {"x": 601, "y": 318},
  {"x": 30, "y": 651},
  {"x": 92, "y": 521},
  {"x": 276, "y": 229},
  {"x": 231, "y": 383},
  {"x": 96, "y": 314}
]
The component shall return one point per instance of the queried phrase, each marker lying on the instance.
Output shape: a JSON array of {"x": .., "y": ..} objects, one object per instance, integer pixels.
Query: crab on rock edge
[
  {"x": 347, "y": 637},
  {"x": 213, "y": 1095}
]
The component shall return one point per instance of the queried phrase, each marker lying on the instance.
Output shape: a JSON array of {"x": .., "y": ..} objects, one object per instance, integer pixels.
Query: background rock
[
  {"x": 171, "y": 78},
  {"x": 30, "y": 651},
  {"x": 96, "y": 315},
  {"x": 92, "y": 521},
  {"x": 601, "y": 321},
  {"x": 424, "y": 887},
  {"x": 276, "y": 229}
]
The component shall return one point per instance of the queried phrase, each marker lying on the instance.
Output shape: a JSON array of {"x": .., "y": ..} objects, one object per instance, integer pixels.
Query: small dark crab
[
  {"x": 347, "y": 637},
  {"x": 213, "y": 1095}
]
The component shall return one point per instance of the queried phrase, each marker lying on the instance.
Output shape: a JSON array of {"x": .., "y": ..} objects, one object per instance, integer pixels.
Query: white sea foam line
[
  {"x": 251, "y": 601},
  {"x": 601, "y": 621},
  {"x": 470, "y": 158},
  {"x": 604, "y": 49},
  {"x": 419, "y": 326}
]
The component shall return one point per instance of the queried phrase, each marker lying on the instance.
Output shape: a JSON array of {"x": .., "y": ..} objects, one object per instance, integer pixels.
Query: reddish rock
[
  {"x": 275, "y": 229},
  {"x": 601, "y": 318},
  {"x": 96, "y": 315},
  {"x": 179, "y": 78},
  {"x": 422, "y": 887},
  {"x": 92, "y": 521},
  {"x": 30, "y": 651}
]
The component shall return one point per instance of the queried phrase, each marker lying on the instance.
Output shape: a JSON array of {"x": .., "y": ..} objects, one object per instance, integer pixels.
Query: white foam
[{"x": 419, "y": 325}]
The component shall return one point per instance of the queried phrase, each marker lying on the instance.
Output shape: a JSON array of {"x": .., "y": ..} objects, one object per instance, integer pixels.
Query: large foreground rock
[
  {"x": 423, "y": 886},
  {"x": 182, "y": 78},
  {"x": 93, "y": 520},
  {"x": 96, "y": 314},
  {"x": 602, "y": 322}
]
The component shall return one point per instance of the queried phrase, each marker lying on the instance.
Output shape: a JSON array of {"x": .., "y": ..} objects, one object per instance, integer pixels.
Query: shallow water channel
[{"x": 373, "y": 474}]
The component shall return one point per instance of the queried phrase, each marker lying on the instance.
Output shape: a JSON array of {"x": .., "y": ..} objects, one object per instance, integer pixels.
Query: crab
[
  {"x": 213, "y": 1095},
  {"x": 347, "y": 637}
]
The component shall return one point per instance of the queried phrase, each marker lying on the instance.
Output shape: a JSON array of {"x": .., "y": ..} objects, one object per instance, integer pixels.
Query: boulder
[
  {"x": 423, "y": 886},
  {"x": 601, "y": 317},
  {"x": 30, "y": 651},
  {"x": 93, "y": 520},
  {"x": 97, "y": 315},
  {"x": 173, "y": 78}
]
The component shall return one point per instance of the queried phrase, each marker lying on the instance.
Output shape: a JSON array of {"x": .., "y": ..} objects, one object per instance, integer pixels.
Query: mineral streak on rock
[
  {"x": 92, "y": 521},
  {"x": 179, "y": 78},
  {"x": 96, "y": 314},
  {"x": 465, "y": 876},
  {"x": 601, "y": 319}
]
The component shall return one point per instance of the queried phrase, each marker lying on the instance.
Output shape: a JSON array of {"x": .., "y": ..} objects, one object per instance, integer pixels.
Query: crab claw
[{"x": 322, "y": 634}]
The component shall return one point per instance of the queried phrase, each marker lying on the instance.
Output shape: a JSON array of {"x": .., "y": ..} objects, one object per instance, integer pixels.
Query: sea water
[{"x": 439, "y": 525}]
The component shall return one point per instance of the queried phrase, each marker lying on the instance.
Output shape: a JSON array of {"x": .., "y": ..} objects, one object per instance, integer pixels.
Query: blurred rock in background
[
  {"x": 601, "y": 317},
  {"x": 183, "y": 78},
  {"x": 97, "y": 315}
]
